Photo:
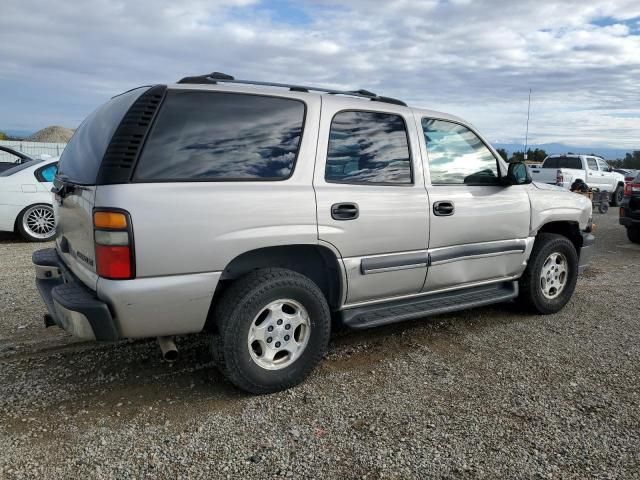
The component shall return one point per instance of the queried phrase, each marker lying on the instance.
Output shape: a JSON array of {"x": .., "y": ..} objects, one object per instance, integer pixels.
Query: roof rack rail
[{"x": 217, "y": 77}]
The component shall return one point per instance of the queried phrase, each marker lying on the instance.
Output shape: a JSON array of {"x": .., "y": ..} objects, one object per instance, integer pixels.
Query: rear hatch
[{"x": 97, "y": 154}]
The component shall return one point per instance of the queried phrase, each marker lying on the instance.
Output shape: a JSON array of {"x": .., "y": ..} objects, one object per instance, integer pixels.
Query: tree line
[
  {"x": 631, "y": 160},
  {"x": 533, "y": 155}
]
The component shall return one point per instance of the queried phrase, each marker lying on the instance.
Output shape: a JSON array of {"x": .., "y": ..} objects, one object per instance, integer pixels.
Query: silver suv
[{"x": 261, "y": 213}]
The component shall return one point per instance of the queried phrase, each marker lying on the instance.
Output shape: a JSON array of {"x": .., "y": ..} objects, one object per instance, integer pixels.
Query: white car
[{"x": 26, "y": 200}]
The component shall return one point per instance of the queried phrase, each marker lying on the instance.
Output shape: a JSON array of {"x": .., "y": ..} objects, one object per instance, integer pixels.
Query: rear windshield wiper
[{"x": 63, "y": 186}]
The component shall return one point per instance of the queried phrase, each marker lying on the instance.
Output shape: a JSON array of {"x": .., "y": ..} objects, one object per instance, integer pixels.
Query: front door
[
  {"x": 594, "y": 176},
  {"x": 371, "y": 202},
  {"x": 479, "y": 228}
]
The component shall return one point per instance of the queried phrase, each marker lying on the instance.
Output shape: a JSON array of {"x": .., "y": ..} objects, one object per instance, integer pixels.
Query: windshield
[{"x": 81, "y": 158}]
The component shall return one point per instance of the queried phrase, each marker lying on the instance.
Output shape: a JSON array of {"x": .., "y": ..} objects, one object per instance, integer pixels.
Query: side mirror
[{"x": 518, "y": 174}]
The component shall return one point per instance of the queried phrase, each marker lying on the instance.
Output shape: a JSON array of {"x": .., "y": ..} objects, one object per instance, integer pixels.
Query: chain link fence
[{"x": 33, "y": 149}]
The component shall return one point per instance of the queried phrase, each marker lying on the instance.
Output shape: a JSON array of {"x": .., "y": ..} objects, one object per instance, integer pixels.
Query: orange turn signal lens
[{"x": 109, "y": 220}]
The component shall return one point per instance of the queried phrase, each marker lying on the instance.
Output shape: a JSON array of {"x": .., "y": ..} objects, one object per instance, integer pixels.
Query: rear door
[
  {"x": 479, "y": 228},
  {"x": 371, "y": 202}
]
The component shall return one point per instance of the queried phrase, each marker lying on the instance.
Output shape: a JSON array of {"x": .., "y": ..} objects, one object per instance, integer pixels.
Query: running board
[{"x": 400, "y": 310}]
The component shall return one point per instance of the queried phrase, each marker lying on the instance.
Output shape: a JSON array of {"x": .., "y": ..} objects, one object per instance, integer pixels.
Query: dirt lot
[{"x": 485, "y": 393}]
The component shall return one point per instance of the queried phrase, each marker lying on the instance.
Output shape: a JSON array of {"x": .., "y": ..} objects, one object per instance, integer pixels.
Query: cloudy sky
[{"x": 60, "y": 59}]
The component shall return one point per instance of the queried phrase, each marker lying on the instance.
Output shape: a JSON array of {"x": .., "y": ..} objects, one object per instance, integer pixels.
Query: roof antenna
[{"x": 526, "y": 135}]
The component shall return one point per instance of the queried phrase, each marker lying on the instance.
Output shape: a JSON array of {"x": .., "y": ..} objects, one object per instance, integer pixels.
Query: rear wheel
[
  {"x": 551, "y": 274},
  {"x": 633, "y": 233},
  {"x": 273, "y": 329},
  {"x": 36, "y": 223},
  {"x": 617, "y": 196}
]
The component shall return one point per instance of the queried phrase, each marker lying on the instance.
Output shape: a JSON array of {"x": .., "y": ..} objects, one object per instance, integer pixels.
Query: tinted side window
[
  {"x": 457, "y": 155},
  {"x": 211, "y": 136},
  {"x": 368, "y": 147},
  {"x": 551, "y": 162},
  {"x": 604, "y": 166},
  {"x": 570, "y": 162},
  {"x": 592, "y": 164}
]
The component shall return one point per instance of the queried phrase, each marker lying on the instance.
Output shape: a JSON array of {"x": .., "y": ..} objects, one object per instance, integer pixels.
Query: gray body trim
[
  {"x": 388, "y": 263},
  {"x": 460, "y": 252},
  {"x": 438, "y": 256}
]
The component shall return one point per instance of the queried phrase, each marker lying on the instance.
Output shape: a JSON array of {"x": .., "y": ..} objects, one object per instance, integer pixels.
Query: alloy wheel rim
[
  {"x": 39, "y": 222},
  {"x": 279, "y": 334},
  {"x": 553, "y": 275}
]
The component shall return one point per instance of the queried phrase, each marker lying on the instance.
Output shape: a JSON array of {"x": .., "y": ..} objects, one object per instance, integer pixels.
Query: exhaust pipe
[{"x": 168, "y": 349}]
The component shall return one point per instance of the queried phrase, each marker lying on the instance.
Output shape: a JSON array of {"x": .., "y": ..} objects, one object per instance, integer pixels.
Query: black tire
[
  {"x": 531, "y": 296},
  {"x": 633, "y": 233},
  {"x": 617, "y": 196},
  {"x": 235, "y": 313},
  {"x": 603, "y": 208},
  {"x": 25, "y": 233}
]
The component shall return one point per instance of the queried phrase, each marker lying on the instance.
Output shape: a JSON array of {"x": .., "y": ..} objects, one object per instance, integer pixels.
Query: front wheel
[
  {"x": 36, "y": 223},
  {"x": 633, "y": 233},
  {"x": 273, "y": 329},
  {"x": 551, "y": 274}
]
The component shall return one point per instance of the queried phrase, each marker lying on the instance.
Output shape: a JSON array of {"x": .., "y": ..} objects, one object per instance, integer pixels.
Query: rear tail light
[
  {"x": 559, "y": 178},
  {"x": 631, "y": 189},
  {"x": 114, "y": 244}
]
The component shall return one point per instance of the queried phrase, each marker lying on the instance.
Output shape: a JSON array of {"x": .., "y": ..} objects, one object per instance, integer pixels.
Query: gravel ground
[{"x": 487, "y": 393}]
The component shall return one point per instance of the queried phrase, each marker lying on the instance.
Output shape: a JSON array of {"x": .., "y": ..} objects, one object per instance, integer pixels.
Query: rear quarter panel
[{"x": 182, "y": 228}]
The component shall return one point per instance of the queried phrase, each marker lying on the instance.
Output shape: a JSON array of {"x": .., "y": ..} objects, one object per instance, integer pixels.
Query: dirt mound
[{"x": 53, "y": 134}]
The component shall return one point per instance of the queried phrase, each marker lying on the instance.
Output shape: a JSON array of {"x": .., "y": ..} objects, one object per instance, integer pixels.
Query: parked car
[
  {"x": 26, "y": 200},
  {"x": 259, "y": 212},
  {"x": 630, "y": 209},
  {"x": 563, "y": 170},
  {"x": 10, "y": 157}
]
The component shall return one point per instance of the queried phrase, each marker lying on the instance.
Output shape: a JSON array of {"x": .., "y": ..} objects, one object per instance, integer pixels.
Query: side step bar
[{"x": 399, "y": 310}]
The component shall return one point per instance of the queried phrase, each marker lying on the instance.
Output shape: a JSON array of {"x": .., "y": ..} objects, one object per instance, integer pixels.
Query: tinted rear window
[
  {"x": 563, "y": 162},
  {"x": 211, "y": 136},
  {"x": 81, "y": 158}
]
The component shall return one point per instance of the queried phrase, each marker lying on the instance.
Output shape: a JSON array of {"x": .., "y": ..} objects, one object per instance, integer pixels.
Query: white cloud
[{"x": 58, "y": 60}]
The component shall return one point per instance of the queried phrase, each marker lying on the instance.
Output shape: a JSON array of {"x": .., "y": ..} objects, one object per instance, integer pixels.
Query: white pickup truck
[{"x": 563, "y": 170}]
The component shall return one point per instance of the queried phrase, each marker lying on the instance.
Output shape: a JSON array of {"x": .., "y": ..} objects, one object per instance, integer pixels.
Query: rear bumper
[
  {"x": 137, "y": 308},
  {"x": 70, "y": 303},
  {"x": 629, "y": 222},
  {"x": 586, "y": 252}
]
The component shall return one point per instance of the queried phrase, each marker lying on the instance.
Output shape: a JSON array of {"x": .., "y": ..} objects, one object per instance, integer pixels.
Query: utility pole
[{"x": 526, "y": 135}]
